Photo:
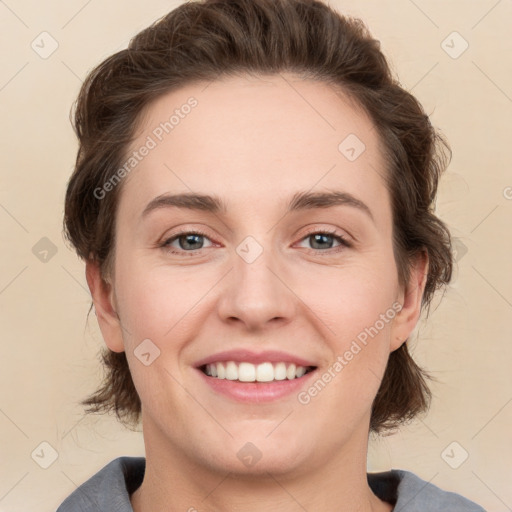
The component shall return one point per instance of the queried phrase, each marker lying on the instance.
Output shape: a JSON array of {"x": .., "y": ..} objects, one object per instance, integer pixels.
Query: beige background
[{"x": 49, "y": 351}]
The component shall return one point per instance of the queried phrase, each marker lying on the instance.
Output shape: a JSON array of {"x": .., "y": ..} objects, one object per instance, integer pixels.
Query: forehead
[{"x": 256, "y": 139}]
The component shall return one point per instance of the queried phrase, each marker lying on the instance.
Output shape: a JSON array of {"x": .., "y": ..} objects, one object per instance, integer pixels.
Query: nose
[{"x": 256, "y": 294}]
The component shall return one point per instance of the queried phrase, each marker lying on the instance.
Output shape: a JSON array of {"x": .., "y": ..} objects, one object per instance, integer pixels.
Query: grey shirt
[{"x": 109, "y": 491}]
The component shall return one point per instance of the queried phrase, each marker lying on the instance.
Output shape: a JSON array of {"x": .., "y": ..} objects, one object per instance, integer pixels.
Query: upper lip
[{"x": 244, "y": 355}]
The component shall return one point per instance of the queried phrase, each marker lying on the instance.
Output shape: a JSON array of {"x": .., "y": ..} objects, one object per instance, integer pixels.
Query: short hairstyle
[{"x": 205, "y": 40}]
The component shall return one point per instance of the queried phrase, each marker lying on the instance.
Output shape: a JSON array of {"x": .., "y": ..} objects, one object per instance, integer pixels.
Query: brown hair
[{"x": 204, "y": 40}]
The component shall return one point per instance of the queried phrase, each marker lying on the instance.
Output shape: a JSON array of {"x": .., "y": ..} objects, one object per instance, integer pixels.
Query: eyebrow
[{"x": 300, "y": 201}]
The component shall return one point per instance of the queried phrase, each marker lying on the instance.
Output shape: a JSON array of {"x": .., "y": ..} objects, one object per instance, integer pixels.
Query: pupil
[
  {"x": 187, "y": 237},
  {"x": 320, "y": 237}
]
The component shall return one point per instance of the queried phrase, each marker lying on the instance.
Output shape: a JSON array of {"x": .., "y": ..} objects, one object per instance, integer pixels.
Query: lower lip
[{"x": 256, "y": 391}]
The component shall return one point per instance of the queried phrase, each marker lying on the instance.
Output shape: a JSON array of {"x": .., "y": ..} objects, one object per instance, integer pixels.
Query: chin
[
  {"x": 257, "y": 464},
  {"x": 259, "y": 454}
]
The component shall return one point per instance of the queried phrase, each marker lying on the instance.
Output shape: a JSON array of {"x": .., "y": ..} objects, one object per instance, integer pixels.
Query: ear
[
  {"x": 105, "y": 307},
  {"x": 410, "y": 297}
]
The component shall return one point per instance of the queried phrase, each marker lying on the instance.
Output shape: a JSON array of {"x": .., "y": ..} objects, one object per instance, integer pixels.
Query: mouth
[
  {"x": 248, "y": 372},
  {"x": 245, "y": 376}
]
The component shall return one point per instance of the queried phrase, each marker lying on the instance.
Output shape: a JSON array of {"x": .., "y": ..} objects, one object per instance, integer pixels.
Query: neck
[{"x": 174, "y": 483}]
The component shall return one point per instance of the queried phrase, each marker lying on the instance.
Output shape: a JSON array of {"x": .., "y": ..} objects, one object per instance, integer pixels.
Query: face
[{"x": 287, "y": 267}]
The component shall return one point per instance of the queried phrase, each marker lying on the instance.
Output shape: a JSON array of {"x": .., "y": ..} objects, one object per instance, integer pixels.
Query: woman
[{"x": 253, "y": 198}]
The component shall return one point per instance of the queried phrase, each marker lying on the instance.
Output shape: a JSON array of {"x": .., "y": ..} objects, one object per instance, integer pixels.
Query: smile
[{"x": 249, "y": 372}]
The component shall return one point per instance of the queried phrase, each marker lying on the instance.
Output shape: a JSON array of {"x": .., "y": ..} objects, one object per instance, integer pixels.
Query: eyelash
[{"x": 344, "y": 243}]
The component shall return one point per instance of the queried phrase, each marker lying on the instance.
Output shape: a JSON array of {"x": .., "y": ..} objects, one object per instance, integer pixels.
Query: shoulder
[
  {"x": 109, "y": 489},
  {"x": 410, "y": 493}
]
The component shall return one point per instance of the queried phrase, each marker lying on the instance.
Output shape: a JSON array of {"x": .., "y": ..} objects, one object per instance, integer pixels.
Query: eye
[
  {"x": 188, "y": 241},
  {"x": 192, "y": 241},
  {"x": 323, "y": 240}
]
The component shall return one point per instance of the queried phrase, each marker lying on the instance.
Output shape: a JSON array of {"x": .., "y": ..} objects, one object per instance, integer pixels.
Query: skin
[{"x": 254, "y": 142}]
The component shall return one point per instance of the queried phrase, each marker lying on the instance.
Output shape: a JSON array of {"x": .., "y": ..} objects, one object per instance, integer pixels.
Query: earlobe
[
  {"x": 411, "y": 299},
  {"x": 105, "y": 307}
]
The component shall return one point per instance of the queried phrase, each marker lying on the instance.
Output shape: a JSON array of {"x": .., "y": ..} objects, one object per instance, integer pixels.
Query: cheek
[
  {"x": 158, "y": 317},
  {"x": 352, "y": 298},
  {"x": 360, "y": 316},
  {"x": 157, "y": 303},
  {"x": 357, "y": 306}
]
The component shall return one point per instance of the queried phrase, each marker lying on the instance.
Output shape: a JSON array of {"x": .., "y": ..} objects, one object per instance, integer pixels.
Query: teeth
[
  {"x": 279, "y": 371},
  {"x": 264, "y": 372},
  {"x": 248, "y": 372},
  {"x": 231, "y": 371},
  {"x": 300, "y": 371}
]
